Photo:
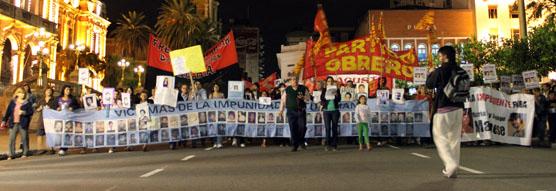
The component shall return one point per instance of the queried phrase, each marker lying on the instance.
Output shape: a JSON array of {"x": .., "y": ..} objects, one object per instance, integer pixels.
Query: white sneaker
[
  {"x": 110, "y": 151},
  {"x": 219, "y": 146},
  {"x": 215, "y": 146},
  {"x": 234, "y": 142},
  {"x": 61, "y": 152},
  {"x": 306, "y": 144},
  {"x": 242, "y": 145},
  {"x": 451, "y": 174}
]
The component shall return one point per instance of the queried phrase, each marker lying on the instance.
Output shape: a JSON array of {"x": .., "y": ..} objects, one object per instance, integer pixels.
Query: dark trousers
[
  {"x": 552, "y": 127},
  {"x": 539, "y": 127},
  {"x": 331, "y": 124},
  {"x": 298, "y": 127}
]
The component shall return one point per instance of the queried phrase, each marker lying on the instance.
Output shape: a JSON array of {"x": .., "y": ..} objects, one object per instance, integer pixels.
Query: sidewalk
[{"x": 33, "y": 145}]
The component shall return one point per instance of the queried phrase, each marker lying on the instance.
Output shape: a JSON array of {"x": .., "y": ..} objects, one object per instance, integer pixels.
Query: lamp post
[
  {"x": 123, "y": 64},
  {"x": 139, "y": 70}
]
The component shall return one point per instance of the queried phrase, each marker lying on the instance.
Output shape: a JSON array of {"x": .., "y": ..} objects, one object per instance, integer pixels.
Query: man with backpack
[{"x": 451, "y": 84}]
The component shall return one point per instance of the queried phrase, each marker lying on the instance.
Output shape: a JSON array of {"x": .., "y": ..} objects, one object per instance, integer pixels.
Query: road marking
[
  {"x": 392, "y": 146},
  {"x": 421, "y": 155},
  {"x": 188, "y": 157},
  {"x": 112, "y": 188},
  {"x": 151, "y": 173},
  {"x": 208, "y": 149},
  {"x": 470, "y": 170}
]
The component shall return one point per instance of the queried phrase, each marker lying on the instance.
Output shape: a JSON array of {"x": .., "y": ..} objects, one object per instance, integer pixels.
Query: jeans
[
  {"x": 552, "y": 127},
  {"x": 24, "y": 139},
  {"x": 298, "y": 126},
  {"x": 331, "y": 125}
]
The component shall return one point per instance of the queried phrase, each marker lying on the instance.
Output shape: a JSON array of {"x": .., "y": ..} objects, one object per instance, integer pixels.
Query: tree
[
  {"x": 178, "y": 23},
  {"x": 538, "y": 7},
  {"x": 132, "y": 35},
  {"x": 207, "y": 34}
]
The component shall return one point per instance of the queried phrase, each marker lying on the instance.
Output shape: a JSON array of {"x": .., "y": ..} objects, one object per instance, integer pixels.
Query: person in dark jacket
[
  {"x": 541, "y": 116},
  {"x": 17, "y": 117},
  {"x": 447, "y": 121},
  {"x": 330, "y": 107}
]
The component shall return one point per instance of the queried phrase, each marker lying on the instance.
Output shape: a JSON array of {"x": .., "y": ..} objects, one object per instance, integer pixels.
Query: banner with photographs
[
  {"x": 203, "y": 119},
  {"x": 497, "y": 116}
]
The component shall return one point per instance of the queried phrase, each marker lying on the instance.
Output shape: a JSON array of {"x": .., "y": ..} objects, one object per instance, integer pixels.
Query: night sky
[{"x": 274, "y": 18}]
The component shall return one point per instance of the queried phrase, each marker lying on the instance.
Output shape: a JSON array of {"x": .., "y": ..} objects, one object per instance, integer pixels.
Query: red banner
[
  {"x": 362, "y": 56},
  {"x": 268, "y": 83},
  {"x": 223, "y": 54},
  {"x": 158, "y": 55}
]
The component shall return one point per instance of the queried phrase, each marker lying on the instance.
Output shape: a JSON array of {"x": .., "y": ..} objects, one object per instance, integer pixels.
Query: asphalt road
[{"x": 501, "y": 168}]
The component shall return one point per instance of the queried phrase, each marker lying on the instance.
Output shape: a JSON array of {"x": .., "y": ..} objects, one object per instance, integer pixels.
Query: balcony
[
  {"x": 22, "y": 15},
  {"x": 420, "y": 4}
]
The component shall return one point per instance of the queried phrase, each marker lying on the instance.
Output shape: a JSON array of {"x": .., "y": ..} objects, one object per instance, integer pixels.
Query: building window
[
  {"x": 422, "y": 52},
  {"x": 493, "y": 33},
  {"x": 514, "y": 11},
  {"x": 515, "y": 33},
  {"x": 395, "y": 47},
  {"x": 492, "y": 12},
  {"x": 435, "y": 48},
  {"x": 407, "y": 46}
]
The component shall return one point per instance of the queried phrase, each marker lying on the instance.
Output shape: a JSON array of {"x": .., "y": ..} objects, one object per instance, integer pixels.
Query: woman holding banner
[
  {"x": 216, "y": 94},
  {"x": 294, "y": 99},
  {"x": 330, "y": 99},
  {"x": 66, "y": 101}
]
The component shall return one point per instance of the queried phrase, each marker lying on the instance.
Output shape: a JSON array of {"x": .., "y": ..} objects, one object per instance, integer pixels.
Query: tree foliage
[{"x": 132, "y": 35}]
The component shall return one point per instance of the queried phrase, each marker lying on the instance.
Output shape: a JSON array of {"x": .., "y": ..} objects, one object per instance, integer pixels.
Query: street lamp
[
  {"x": 123, "y": 63},
  {"x": 139, "y": 70}
]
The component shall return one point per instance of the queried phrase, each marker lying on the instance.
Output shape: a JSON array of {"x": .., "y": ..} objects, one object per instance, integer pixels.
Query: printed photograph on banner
[
  {"x": 99, "y": 141},
  {"x": 89, "y": 141},
  {"x": 409, "y": 117},
  {"x": 531, "y": 79},
  {"x": 279, "y": 131},
  {"x": 362, "y": 89},
  {"x": 110, "y": 126},
  {"x": 163, "y": 121},
  {"x": 346, "y": 117},
  {"x": 318, "y": 118},
  {"x": 518, "y": 83},
  {"x": 68, "y": 140},
  {"x": 467, "y": 121},
  {"x": 316, "y": 96},
  {"x": 107, "y": 96},
  {"x": 154, "y": 136},
  {"x": 212, "y": 117},
  {"x": 132, "y": 125},
  {"x": 78, "y": 127},
  {"x": 394, "y": 117},
  {"x": 310, "y": 118},
  {"x": 235, "y": 90},
  {"x": 265, "y": 100},
  {"x": 58, "y": 126},
  {"x": 89, "y": 129},
  {"x": 132, "y": 139},
  {"x": 173, "y": 121},
  {"x": 211, "y": 130},
  {"x": 279, "y": 118},
  {"x": 419, "y": 117},
  {"x": 232, "y": 118},
  {"x": 192, "y": 119},
  {"x": 90, "y": 102},
  {"x": 122, "y": 125},
  {"x": 469, "y": 69},
  {"x": 175, "y": 134},
  {"x": 489, "y": 73},
  {"x": 394, "y": 130},
  {"x": 374, "y": 117},
  {"x": 261, "y": 118},
  {"x": 383, "y": 97},
  {"x": 184, "y": 133},
  {"x": 154, "y": 123},
  {"x": 221, "y": 116},
  {"x": 331, "y": 92},
  {"x": 78, "y": 140},
  {"x": 419, "y": 75},
  {"x": 240, "y": 130},
  {"x": 374, "y": 130},
  {"x": 397, "y": 96},
  {"x": 241, "y": 117},
  {"x": 270, "y": 118},
  {"x": 194, "y": 132},
  {"x": 68, "y": 127},
  {"x": 164, "y": 82},
  {"x": 505, "y": 84},
  {"x": 164, "y": 135},
  {"x": 516, "y": 124},
  {"x": 318, "y": 130},
  {"x": 83, "y": 76},
  {"x": 251, "y": 117},
  {"x": 202, "y": 117},
  {"x": 111, "y": 140},
  {"x": 221, "y": 129},
  {"x": 99, "y": 127},
  {"x": 384, "y": 117},
  {"x": 122, "y": 139},
  {"x": 409, "y": 128},
  {"x": 261, "y": 132},
  {"x": 144, "y": 137},
  {"x": 126, "y": 100}
]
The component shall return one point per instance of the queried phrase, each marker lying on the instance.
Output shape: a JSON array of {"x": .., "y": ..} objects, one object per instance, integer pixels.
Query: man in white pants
[{"x": 447, "y": 115}]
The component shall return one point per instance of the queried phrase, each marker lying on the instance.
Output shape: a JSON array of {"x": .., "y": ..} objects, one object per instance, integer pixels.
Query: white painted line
[
  {"x": 151, "y": 173},
  {"x": 470, "y": 170},
  {"x": 392, "y": 146},
  {"x": 421, "y": 155},
  {"x": 208, "y": 149},
  {"x": 112, "y": 188},
  {"x": 188, "y": 157}
]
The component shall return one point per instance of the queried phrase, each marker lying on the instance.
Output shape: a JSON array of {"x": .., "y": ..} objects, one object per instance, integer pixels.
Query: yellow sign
[{"x": 188, "y": 60}]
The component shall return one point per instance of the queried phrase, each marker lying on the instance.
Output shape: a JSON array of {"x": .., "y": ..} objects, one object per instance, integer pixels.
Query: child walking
[{"x": 362, "y": 113}]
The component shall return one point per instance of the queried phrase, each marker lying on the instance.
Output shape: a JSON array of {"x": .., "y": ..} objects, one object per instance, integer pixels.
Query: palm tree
[
  {"x": 207, "y": 35},
  {"x": 540, "y": 6},
  {"x": 132, "y": 35},
  {"x": 177, "y": 23}
]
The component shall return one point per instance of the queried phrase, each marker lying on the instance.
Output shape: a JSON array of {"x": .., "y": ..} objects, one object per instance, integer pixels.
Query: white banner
[{"x": 499, "y": 117}]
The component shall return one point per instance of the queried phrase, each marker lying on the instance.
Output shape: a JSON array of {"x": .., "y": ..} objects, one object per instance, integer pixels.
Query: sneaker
[
  {"x": 326, "y": 148},
  {"x": 9, "y": 158},
  {"x": 306, "y": 144},
  {"x": 449, "y": 175},
  {"x": 24, "y": 156},
  {"x": 242, "y": 145},
  {"x": 110, "y": 151},
  {"x": 379, "y": 144},
  {"x": 234, "y": 142},
  {"x": 219, "y": 146},
  {"x": 61, "y": 152}
]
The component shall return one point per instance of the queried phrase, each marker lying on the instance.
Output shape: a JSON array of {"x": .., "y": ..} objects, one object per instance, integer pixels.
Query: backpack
[{"x": 457, "y": 89}]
